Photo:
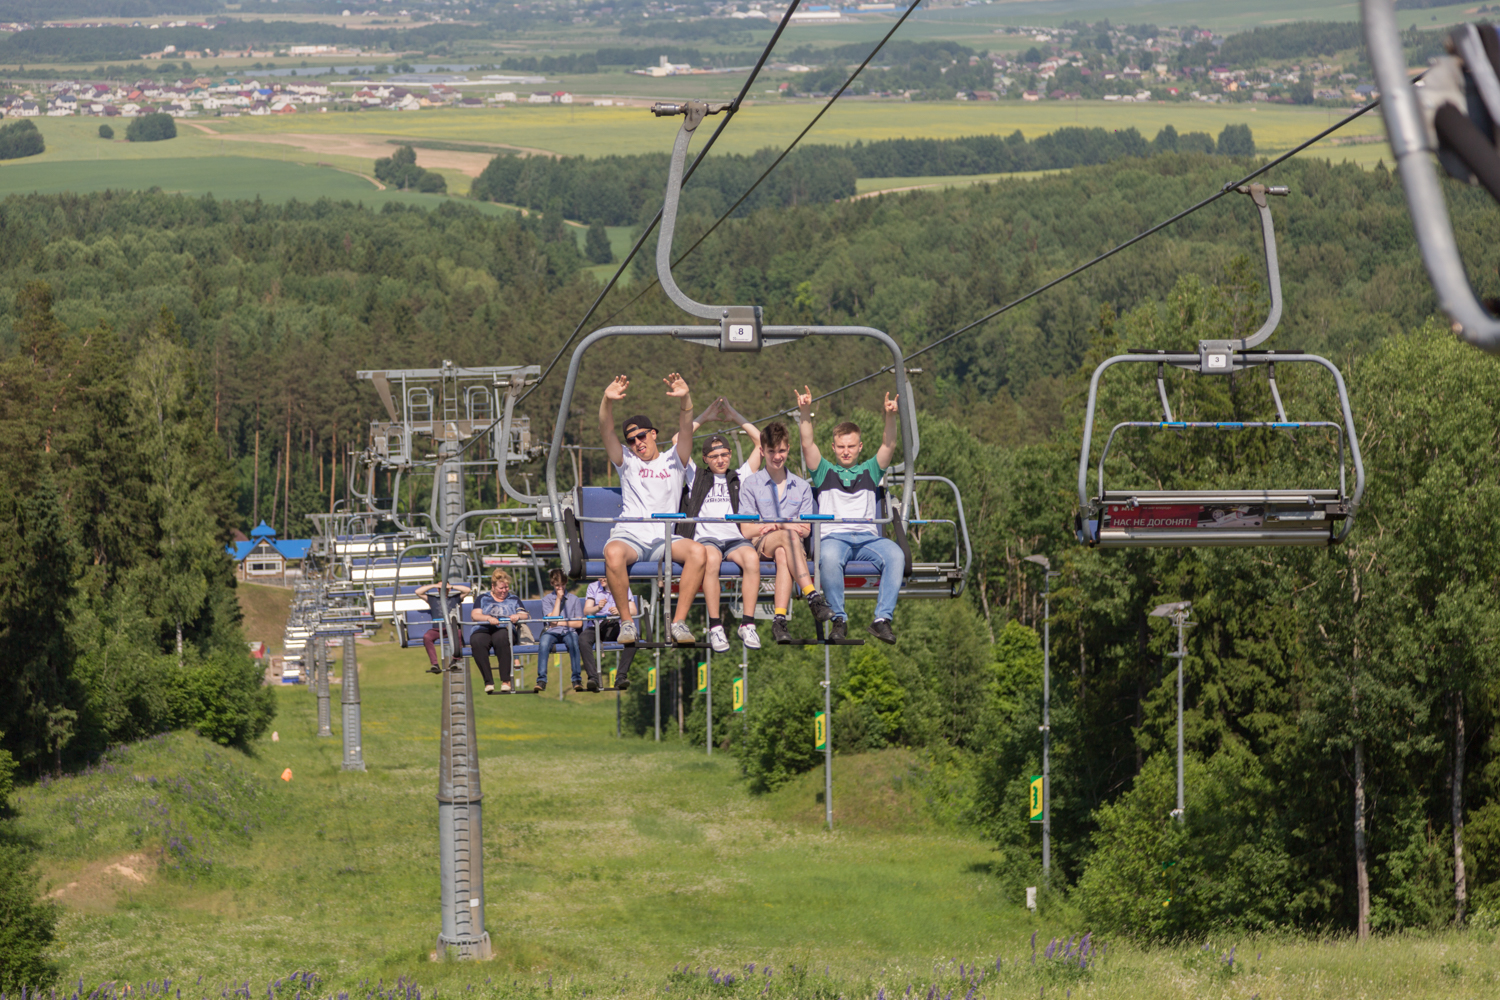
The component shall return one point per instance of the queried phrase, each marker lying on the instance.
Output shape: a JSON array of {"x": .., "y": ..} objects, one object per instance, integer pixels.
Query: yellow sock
[
  {"x": 781, "y": 612},
  {"x": 807, "y": 588}
]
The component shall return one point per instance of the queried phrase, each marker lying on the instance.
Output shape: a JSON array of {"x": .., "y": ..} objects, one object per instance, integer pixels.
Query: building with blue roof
[{"x": 264, "y": 555}]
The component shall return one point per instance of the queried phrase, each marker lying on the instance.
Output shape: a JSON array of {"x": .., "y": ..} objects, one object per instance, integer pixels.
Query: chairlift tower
[{"x": 451, "y": 407}]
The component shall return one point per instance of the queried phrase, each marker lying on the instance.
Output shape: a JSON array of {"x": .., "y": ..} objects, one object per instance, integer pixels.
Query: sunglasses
[{"x": 632, "y": 439}]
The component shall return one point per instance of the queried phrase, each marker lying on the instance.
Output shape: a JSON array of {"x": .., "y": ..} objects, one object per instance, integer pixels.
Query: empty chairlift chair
[{"x": 1301, "y": 514}]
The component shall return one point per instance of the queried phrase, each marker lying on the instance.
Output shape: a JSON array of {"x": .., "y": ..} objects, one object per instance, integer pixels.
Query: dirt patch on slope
[{"x": 97, "y": 883}]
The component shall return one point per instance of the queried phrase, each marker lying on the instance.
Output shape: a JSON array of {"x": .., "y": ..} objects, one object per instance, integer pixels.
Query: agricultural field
[
  {"x": 611, "y": 863},
  {"x": 309, "y": 156}
]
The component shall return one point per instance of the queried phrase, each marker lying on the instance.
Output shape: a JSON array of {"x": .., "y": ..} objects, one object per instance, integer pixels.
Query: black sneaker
[
  {"x": 779, "y": 632},
  {"x": 577, "y": 686},
  {"x": 819, "y": 607},
  {"x": 434, "y": 669},
  {"x": 593, "y": 685},
  {"x": 839, "y": 630},
  {"x": 539, "y": 688},
  {"x": 622, "y": 685},
  {"x": 881, "y": 629}
]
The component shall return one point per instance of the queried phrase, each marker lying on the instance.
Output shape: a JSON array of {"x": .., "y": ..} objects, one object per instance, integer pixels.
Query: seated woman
[
  {"x": 433, "y": 594},
  {"x": 497, "y": 612},
  {"x": 566, "y": 612}
]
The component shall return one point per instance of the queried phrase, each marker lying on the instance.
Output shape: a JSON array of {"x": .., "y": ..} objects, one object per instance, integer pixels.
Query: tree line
[
  {"x": 622, "y": 190},
  {"x": 1312, "y": 676}
]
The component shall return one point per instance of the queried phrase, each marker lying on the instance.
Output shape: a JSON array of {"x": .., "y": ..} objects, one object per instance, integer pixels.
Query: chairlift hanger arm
[
  {"x": 694, "y": 111},
  {"x": 1407, "y": 132},
  {"x": 1258, "y": 193}
]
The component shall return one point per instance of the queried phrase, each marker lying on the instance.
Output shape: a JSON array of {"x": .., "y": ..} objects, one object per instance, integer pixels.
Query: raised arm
[
  {"x": 887, "y": 449},
  {"x": 677, "y": 388},
  {"x": 751, "y": 431},
  {"x": 811, "y": 456},
  {"x": 612, "y": 392}
]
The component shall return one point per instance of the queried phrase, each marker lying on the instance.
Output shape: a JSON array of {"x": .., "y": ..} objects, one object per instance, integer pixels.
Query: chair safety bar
[{"x": 1413, "y": 144}]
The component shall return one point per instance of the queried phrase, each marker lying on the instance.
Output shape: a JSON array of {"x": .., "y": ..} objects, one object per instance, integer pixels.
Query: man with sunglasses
[
  {"x": 714, "y": 491},
  {"x": 650, "y": 481}
]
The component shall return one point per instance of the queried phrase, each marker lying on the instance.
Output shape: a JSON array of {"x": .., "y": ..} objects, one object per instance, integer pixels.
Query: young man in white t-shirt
[
  {"x": 650, "y": 481},
  {"x": 713, "y": 491}
]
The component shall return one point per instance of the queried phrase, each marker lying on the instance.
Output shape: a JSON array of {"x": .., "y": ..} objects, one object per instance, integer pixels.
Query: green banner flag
[
  {"x": 1036, "y": 798},
  {"x": 820, "y": 731}
]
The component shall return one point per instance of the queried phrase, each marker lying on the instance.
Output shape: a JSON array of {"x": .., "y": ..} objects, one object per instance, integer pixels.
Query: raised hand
[
  {"x": 717, "y": 410},
  {"x": 616, "y": 390},
  {"x": 677, "y": 386},
  {"x": 804, "y": 401},
  {"x": 891, "y": 403}
]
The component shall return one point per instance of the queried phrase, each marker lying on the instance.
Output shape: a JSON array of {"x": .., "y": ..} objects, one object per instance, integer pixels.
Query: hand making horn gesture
[
  {"x": 891, "y": 405},
  {"x": 804, "y": 402}
]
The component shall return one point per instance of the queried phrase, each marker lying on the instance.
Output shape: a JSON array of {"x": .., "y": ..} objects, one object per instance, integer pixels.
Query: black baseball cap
[
  {"x": 640, "y": 423},
  {"x": 714, "y": 441}
]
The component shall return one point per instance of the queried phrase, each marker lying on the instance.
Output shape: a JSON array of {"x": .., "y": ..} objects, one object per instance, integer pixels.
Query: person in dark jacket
[{"x": 713, "y": 490}]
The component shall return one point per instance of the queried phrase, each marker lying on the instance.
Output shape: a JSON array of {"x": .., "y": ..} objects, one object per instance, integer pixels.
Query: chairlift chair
[
  {"x": 1452, "y": 112},
  {"x": 737, "y": 329},
  {"x": 1135, "y": 518}
]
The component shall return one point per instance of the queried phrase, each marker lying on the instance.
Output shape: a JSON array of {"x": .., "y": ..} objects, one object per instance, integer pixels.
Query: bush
[
  {"x": 778, "y": 743},
  {"x": 223, "y": 700},
  {"x": 1226, "y": 866},
  {"x": 151, "y": 128},
  {"x": 27, "y": 923},
  {"x": 20, "y": 139},
  {"x": 105, "y": 132}
]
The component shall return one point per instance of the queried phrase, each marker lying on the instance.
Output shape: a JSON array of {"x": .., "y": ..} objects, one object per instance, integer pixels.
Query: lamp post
[
  {"x": 1046, "y": 727},
  {"x": 1178, "y": 612}
]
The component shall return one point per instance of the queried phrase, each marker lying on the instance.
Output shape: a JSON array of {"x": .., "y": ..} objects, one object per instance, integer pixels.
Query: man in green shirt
[{"x": 849, "y": 490}]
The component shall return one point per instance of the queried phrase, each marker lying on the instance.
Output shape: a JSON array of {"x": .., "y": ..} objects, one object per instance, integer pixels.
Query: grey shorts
[
  {"x": 647, "y": 549},
  {"x": 724, "y": 545}
]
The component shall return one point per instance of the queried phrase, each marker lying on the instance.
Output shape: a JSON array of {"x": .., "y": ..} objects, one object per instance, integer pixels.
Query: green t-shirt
[{"x": 848, "y": 493}]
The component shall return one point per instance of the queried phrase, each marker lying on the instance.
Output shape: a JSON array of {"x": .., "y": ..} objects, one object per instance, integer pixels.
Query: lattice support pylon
[
  {"x": 461, "y": 824},
  {"x": 354, "y": 755}
]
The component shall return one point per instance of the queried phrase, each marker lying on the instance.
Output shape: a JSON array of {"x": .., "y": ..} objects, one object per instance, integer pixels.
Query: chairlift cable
[
  {"x": 777, "y": 162},
  {"x": 729, "y": 114},
  {"x": 1226, "y": 189}
]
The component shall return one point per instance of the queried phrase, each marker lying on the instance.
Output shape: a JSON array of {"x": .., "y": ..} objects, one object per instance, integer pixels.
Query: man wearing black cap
[
  {"x": 650, "y": 481},
  {"x": 714, "y": 491}
]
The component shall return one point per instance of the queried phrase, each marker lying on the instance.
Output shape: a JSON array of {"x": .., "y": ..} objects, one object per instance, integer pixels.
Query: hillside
[{"x": 608, "y": 865}]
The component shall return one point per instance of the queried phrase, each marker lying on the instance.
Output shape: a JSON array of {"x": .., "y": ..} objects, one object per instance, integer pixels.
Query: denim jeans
[
  {"x": 840, "y": 550},
  {"x": 569, "y": 639}
]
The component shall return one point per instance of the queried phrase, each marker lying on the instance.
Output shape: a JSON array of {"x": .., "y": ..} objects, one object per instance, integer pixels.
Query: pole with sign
[{"x": 705, "y": 687}]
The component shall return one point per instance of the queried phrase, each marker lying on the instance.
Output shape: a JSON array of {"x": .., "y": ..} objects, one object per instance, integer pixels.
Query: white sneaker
[
  {"x": 749, "y": 637},
  {"x": 627, "y": 634},
  {"x": 717, "y": 640},
  {"x": 681, "y": 634}
]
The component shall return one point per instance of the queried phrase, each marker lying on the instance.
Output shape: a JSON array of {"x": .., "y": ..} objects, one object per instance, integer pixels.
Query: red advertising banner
[{"x": 1186, "y": 516}]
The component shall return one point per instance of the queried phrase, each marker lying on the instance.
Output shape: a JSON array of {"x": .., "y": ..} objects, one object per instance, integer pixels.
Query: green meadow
[
  {"x": 307, "y": 156},
  {"x": 608, "y": 862}
]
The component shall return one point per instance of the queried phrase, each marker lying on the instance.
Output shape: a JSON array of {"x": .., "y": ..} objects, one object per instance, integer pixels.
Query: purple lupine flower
[
  {"x": 1051, "y": 947},
  {"x": 881, "y": 994}
]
